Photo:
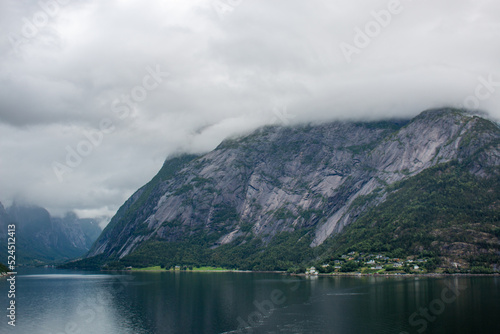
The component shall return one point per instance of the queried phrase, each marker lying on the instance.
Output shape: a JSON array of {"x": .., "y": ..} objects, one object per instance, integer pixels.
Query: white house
[{"x": 312, "y": 271}]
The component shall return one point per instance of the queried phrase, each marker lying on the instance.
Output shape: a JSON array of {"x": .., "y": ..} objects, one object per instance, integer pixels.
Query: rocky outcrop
[{"x": 283, "y": 179}]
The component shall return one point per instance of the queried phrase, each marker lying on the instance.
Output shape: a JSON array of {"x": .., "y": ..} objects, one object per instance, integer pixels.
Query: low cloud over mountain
[{"x": 95, "y": 95}]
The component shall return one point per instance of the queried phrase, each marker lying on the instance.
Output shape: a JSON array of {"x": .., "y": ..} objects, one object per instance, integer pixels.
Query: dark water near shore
[{"x": 54, "y": 302}]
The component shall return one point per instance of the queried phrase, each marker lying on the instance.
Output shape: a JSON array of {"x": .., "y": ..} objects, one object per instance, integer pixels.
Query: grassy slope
[{"x": 285, "y": 251}]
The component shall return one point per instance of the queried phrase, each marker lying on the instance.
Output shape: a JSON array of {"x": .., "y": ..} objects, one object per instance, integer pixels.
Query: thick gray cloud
[{"x": 73, "y": 72}]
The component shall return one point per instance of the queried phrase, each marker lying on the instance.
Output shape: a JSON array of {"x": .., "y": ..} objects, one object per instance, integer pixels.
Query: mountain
[
  {"x": 283, "y": 196},
  {"x": 41, "y": 238}
]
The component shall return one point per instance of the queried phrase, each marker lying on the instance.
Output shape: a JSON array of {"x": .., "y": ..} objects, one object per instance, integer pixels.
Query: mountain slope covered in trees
[{"x": 286, "y": 196}]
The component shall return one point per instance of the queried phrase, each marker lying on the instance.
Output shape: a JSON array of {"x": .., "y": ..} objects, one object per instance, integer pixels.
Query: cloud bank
[{"x": 123, "y": 83}]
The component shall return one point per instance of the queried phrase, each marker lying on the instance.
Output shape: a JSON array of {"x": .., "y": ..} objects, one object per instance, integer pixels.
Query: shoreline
[
  {"x": 318, "y": 275},
  {"x": 397, "y": 275},
  {"x": 6, "y": 274},
  {"x": 352, "y": 274},
  {"x": 199, "y": 271}
]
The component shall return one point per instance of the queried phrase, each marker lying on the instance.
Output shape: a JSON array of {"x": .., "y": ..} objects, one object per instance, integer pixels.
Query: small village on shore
[{"x": 356, "y": 263}]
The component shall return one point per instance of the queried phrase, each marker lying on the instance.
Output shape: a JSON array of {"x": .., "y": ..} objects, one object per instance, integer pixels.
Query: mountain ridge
[
  {"x": 292, "y": 180},
  {"x": 43, "y": 239}
]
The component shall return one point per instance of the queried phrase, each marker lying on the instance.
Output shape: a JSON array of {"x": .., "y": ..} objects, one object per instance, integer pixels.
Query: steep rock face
[
  {"x": 78, "y": 233},
  {"x": 282, "y": 179},
  {"x": 431, "y": 138}
]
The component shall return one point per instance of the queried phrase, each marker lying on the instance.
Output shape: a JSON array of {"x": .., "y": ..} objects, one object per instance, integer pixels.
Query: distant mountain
[
  {"x": 41, "y": 238},
  {"x": 285, "y": 196}
]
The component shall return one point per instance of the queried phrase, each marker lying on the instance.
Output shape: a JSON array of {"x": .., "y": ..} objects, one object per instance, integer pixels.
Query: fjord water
[{"x": 55, "y": 301}]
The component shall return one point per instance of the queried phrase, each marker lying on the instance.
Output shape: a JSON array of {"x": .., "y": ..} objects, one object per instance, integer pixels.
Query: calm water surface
[{"x": 56, "y": 301}]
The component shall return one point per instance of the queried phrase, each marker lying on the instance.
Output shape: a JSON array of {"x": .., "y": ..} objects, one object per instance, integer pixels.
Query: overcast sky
[{"x": 123, "y": 84}]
